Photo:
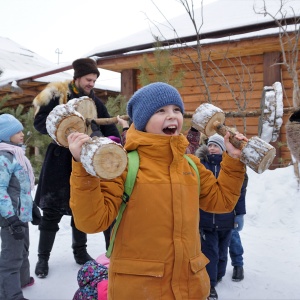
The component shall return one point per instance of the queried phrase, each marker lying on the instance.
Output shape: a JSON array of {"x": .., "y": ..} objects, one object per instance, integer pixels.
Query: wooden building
[
  {"x": 246, "y": 56},
  {"x": 23, "y": 74}
]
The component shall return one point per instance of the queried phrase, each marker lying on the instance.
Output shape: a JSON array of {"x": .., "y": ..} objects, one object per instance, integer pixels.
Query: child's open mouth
[{"x": 170, "y": 130}]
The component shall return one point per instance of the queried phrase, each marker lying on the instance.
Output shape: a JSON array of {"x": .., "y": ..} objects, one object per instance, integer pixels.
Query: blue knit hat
[
  {"x": 9, "y": 126},
  {"x": 148, "y": 99}
]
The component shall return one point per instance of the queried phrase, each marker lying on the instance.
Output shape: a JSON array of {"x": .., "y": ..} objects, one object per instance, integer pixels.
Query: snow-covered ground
[{"x": 271, "y": 239}]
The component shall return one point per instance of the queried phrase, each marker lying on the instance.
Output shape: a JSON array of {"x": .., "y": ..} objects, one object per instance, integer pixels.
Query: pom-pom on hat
[
  {"x": 9, "y": 126},
  {"x": 217, "y": 140},
  {"x": 148, "y": 99},
  {"x": 84, "y": 66}
]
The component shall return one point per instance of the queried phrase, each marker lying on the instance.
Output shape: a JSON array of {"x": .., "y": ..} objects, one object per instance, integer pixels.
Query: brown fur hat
[{"x": 84, "y": 66}]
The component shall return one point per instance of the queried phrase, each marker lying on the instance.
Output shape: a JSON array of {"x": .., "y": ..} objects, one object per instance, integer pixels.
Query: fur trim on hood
[
  {"x": 202, "y": 152},
  {"x": 52, "y": 90}
]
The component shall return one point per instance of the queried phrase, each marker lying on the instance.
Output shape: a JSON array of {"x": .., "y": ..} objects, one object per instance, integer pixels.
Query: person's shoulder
[
  {"x": 53, "y": 90},
  {"x": 202, "y": 152},
  {"x": 98, "y": 101},
  {"x": 6, "y": 155}
]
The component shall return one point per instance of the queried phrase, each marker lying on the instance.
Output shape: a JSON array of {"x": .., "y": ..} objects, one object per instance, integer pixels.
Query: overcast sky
[{"x": 74, "y": 27}]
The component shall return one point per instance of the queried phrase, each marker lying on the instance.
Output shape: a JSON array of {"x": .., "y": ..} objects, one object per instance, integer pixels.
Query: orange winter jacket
[{"x": 157, "y": 252}]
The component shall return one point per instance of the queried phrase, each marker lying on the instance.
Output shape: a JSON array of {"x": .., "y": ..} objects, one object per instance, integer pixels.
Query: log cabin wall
[
  {"x": 246, "y": 99},
  {"x": 253, "y": 62}
]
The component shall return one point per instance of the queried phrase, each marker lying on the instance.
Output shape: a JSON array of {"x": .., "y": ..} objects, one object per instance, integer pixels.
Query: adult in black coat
[
  {"x": 53, "y": 192},
  {"x": 216, "y": 229}
]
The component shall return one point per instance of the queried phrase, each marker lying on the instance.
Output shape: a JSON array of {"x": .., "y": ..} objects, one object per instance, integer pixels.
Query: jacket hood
[
  {"x": 202, "y": 152},
  {"x": 155, "y": 146},
  {"x": 206, "y": 158}
]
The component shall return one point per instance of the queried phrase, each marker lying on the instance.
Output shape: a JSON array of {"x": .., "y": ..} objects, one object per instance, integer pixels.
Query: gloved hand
[
  {"x": 16, "y": 227},
  {"x": 36, "y": 215},
  {"x": 239, "y": 222},
  {"x": 96, "y": 129}
]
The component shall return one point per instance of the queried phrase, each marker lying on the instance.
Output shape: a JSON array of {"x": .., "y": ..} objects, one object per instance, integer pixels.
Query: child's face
[
  {"x": 214, "y": 149},
  {"x": 167, "y": 121},
  {"x": 17, "y": 138}
]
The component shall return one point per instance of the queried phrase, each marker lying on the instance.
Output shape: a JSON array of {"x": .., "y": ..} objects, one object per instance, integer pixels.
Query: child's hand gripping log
[
  {"x": 255, "y": 152},
  {"x": 100, "y": 156}
]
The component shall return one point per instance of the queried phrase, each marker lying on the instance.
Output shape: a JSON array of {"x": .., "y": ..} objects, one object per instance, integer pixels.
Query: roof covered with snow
[
  {"x": 216, "y": 17},
  {"x": 219, "y": 18},
  {"x": 19, "y": 63}
]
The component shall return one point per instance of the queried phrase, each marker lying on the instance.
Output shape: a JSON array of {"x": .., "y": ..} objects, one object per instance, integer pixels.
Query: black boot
[
  {"x": 45, "y": 246},
  {"x": 213, "y": 294},
  {"x": 79, "y": 246},
  {"x": 238, "y": 274}
]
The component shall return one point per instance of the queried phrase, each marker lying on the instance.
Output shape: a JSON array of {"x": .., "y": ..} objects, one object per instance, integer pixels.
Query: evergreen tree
[
  {"x": 162, "y": 69},
  {"x": 117, "y": 106},
  {"x": 36, "y": 143}
]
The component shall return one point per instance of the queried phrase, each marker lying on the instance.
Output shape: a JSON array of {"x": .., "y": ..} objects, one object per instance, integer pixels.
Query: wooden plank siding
[{"x": 260, "y": 57}]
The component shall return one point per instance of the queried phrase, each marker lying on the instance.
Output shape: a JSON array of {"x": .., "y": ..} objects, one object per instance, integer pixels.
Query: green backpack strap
[
  {"x": 193, "y": 165},
  {"x": 133, "y": 167}
]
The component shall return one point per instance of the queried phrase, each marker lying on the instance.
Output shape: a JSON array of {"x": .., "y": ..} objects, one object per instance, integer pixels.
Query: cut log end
[
  {"x": 205, "y": 116},
  {"x": 86, "y": 107},
  {"x": 110, "y": 161},
  {"x": 101, "y": 157},
  {"x": 60, "y": 121},
  {"x": 76, "y": 123},
  {"x": 258, "y": 155}
]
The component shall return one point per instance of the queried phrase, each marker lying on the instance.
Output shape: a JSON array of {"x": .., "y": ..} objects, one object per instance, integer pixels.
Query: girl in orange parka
[{"x": 157, "y": 252}]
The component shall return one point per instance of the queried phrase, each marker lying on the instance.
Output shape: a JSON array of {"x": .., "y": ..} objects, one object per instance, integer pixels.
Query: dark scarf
[{"x": 76, "y": 92}]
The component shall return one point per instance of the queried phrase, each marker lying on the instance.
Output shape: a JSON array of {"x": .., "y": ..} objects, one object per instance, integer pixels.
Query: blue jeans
[{"x": 236, "y": 249}]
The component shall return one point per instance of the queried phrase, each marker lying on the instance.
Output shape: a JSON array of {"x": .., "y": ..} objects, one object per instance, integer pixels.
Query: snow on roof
[
  {"x": 217, "y": 16},
  {"x": 17, "y": 63}
]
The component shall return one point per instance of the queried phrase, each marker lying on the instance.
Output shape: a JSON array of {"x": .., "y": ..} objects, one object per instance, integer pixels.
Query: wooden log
[
  {"x": 86, "y": 107},
  {"x": 61, "y": 121},
  {"x": 222, "y": 130},
  {"x": 256, "y": 153},
  {"x": 101, "y": 157},
  {"x": 205, "y": 116},
  {"x": 107, "y": 121}
]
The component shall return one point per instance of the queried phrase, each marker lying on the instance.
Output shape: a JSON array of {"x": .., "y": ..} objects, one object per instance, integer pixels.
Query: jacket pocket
[
  {"x": 135, "y": 279},
  {"x": 199, "y": 283}
]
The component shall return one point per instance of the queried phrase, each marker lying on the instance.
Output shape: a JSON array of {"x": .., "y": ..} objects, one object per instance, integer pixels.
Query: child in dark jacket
[
  {"x": 17, "y": 181},
  {"x": 216, "y": 229}
]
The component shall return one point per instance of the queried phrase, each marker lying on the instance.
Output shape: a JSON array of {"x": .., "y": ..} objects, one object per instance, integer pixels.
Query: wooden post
[
  {"x": 272, "y": 70},
  {"x": 128, "y": 82},
  {"x": 272, "y": 73}
]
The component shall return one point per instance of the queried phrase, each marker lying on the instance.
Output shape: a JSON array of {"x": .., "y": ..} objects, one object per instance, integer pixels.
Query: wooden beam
[
  {"x": 128, "y": 82},
  {"x": 271, "y": 68},
  {"x": 233, "y": 49}
]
